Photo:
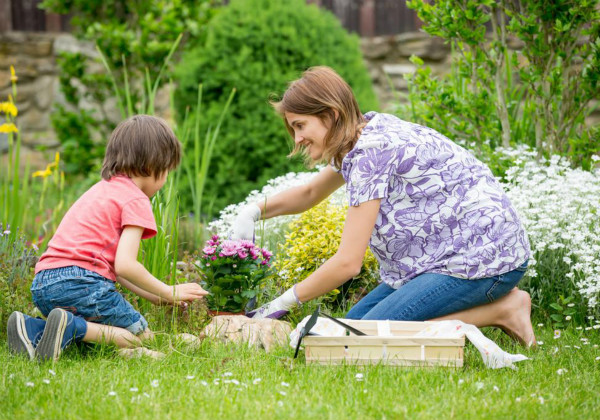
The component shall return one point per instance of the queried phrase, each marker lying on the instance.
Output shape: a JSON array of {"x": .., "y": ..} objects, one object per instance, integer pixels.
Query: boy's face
[{"x": 155, "y": 184}]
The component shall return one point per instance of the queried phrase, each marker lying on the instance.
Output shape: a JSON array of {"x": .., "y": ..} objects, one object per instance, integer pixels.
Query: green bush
[{"x": 258, "y": 46}]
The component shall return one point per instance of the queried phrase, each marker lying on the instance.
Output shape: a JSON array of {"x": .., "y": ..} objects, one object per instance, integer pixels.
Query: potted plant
[{"x": 233, "y": 272}]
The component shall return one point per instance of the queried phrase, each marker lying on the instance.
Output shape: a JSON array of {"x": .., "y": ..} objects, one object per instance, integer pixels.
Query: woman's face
[{"x": 309, "y": 132}]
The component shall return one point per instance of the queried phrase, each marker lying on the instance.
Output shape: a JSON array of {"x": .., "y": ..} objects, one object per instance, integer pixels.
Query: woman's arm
[
  {"x": 345, "y": 264},
  {"x": 292, "y": 201},
  {"x": 299, "y": 199},
  {"x": 347, "y": 261}
]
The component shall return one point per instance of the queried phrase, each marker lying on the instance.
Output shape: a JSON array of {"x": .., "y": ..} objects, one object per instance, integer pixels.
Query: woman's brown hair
[
  {"x": 323, "y": 93},
  {"x": 141, "y": 145}
]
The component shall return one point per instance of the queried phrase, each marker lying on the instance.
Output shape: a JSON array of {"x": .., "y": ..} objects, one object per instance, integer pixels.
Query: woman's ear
[{"x": 336, "y": 113}]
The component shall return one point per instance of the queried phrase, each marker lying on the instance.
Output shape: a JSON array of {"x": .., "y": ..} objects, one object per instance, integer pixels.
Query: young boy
[{"x": 96, "y": 245}]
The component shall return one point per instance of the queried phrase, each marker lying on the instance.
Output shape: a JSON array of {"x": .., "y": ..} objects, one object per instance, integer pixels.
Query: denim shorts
[
  {"x": 433, "y": 295},
  {"x": 85, "y": 294}
]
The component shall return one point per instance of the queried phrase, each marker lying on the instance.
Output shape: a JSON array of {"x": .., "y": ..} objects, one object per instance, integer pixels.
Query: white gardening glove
[
  {"x": 277, "y": 308},
  {"x": 243, "y": 225}
]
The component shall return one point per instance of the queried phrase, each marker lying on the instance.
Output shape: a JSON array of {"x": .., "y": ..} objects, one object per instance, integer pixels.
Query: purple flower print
[
  {"x": 406, "y": 244},
  {"x": 474, "y": 223},
  {"x": 430, "y": 155},
  {"x": 429, "y": 200},
  {"x": 503, "y": 232}
]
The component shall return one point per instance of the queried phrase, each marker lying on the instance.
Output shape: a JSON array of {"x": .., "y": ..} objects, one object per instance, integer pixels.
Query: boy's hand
[{"x": 187, "y": 292}]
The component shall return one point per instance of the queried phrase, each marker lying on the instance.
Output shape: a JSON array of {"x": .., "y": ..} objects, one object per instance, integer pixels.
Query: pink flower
[
  {"x": 230, "y": 248},
  {"x": 214, "y": 257},
  {"x": 247, "y": 244},
  {"x": 253, "y": 253},
  {"x": 242, "y": 254},
  {"x": 264, "y": 262},
  {"x": 209, "y": 250},
  {"x": 266, "y": 253}
]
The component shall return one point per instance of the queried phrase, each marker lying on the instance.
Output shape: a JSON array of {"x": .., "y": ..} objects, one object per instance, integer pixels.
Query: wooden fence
[{"x": 364, "y": 17}]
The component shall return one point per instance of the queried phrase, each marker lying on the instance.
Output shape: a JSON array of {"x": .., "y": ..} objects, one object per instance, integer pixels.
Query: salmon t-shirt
[{"x": 89, "y": 233}]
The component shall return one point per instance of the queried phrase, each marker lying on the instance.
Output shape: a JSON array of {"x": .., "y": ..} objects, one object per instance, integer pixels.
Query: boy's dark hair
[{"x": 141, "y": 145}]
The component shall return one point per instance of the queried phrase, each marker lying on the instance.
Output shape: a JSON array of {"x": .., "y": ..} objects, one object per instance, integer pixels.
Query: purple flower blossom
[{"x": 230, "y": 248}]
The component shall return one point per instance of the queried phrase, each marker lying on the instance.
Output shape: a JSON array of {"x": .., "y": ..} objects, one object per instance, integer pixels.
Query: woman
[{"x": 449, "y": 243}]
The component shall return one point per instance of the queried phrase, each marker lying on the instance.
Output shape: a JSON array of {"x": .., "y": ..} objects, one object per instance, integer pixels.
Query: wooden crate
[{"x": 387, "y": 342}]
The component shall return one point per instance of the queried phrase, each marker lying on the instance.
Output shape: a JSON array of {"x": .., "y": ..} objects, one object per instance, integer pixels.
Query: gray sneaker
[
  {"x": 23, "y": 333},
  {"x": 62, "y": 328}
]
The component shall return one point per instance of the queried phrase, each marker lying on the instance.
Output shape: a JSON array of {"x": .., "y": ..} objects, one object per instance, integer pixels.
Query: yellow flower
[
  {"x": 13, "y": 76},
  {"x": 45, "y": 173},
  {"x": 48, "y": 171},
  {"x": 8, "y": 128},
  {"x": 55, "y": 163},
  {"x": 9, "y": 108}
]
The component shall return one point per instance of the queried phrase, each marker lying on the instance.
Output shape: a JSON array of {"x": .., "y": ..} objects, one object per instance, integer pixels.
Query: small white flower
[
  {"x": 540, "y": 325},
  {"x": 235, "y": 382},
  {"x": 285, "y": 384},
  {"x": 556, "y": 334},
  {"x": 577, "y": 347},
  {"x": 190, "y": 377},
  {"x": 570, "y": 305},
  {"x": 561, "y": 371},
  {"x": 154, "y": 383},
  {"x": 133, "y": 389},
  {"x": 496, "y": 388},
  {"x": 364, "y": 391},
  {"x": 540, "y": 343},
  {"x": 568, "y": 318},
  {"x": 51, "y": 372},
  {"x": 204, "y": 383},
  {"x": 359, "y": 377},
  {"x": 228, "y": 374},
  {"x": 112, "y": 394},
  {"x": 29, "y": 384},
  {"x": 283, "y": 393},
  {"x": 598, "y": 358},
  {"x": 541, "y": 399},
  {"x": 518, "y": 399},
  {"x": 596, "y": 326},
  {"x": 280, "y": 403},
  {"x": 461, "y": 381},
  {"x": 146, "y": 395},
  {"x": 479, "y": 385},
  {"x": 256, "y": 381},
  {"x": 46, "y": 381}
]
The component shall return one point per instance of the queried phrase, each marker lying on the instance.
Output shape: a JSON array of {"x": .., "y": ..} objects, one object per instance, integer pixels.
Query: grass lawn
[{"x": 233, "y": 382}]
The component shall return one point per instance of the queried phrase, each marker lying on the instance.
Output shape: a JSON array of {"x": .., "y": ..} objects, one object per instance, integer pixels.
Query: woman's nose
[{"x": 298, "y": 138}]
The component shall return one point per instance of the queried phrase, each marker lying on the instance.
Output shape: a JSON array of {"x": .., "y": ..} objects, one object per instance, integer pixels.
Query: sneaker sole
[
  {"x": 49, "y": 347},
  {"x": 18, "y": 342}
]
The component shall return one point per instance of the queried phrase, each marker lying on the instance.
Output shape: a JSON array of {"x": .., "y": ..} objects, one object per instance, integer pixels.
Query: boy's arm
[
  {"x": 138, "y": 291},
  {"x": 128, "y": 267}
]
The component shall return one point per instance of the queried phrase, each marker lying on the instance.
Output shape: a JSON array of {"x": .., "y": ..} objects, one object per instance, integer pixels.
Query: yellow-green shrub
[{"x": 312, "y": 239}]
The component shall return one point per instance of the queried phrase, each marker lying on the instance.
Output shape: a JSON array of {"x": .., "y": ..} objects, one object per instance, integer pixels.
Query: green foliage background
[{"x": 258, "y": 46}]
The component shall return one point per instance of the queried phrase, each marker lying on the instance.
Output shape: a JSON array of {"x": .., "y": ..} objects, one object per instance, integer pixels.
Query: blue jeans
[
  {"x": 85, "y": 294},
  {"x": 432, "y": 295}
]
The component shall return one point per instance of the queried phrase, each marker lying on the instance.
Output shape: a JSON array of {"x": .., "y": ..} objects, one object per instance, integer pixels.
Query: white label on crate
[{"x": 383, "y": 329}]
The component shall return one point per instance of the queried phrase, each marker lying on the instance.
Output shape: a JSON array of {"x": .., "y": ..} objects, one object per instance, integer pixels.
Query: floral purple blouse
[{"x": 442, "y": 210}]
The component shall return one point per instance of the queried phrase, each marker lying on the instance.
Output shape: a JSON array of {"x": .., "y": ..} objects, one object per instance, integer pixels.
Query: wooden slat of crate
[
  {"x": 402, "y": 348},
  {"x": 397, "y": 328}
]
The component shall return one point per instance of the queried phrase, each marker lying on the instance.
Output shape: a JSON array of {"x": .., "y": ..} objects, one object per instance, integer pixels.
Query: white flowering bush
[{"x": 559, "y": 207}]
